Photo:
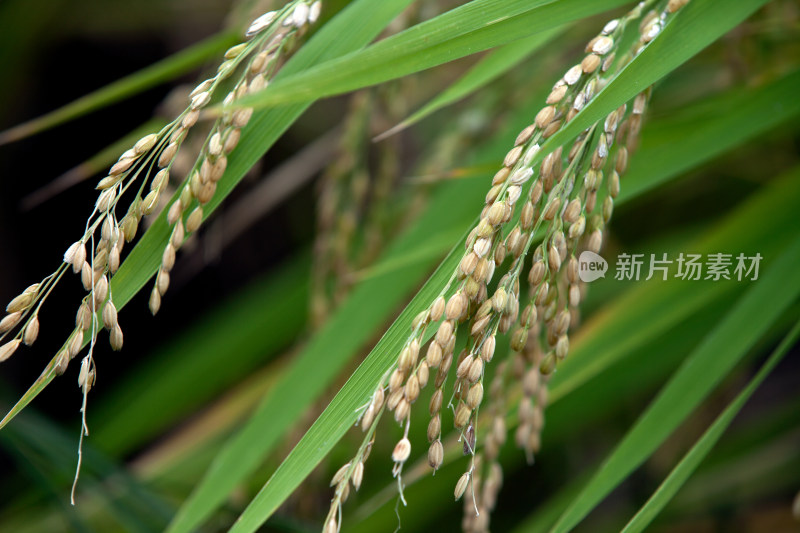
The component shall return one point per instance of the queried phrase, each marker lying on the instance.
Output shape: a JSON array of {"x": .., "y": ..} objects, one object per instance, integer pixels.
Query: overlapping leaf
[
  {"x": 164, "y": 70},
  {"x": 769, "y": 120},
  {"x": 361, "y": 21},
  {"x": 630, "y": 345},
  {"x": 263, "y": 130},
  {"x": 341, "y": 412},
  {"x": 473, "y": 27},
  {"x": 489, "y": 68},
  {"x": 703, "y": 370},
  {"x": 703, "y": 446}
]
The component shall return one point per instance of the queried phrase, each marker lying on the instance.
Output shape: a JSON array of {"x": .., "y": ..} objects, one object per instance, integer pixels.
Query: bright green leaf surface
[
  {"x": 694, "y": 27},
  {"x": 264, "y": 128},
  {"x": 467, "y": 29},
  {"x": 238, "y": 458},
  {"x": 341, "y": 412},
  {"x": 495, "y": 64}
]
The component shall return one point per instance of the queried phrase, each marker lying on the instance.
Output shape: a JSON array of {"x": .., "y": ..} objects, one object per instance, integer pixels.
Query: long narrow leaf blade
[
  {"x": 52, "y": 451},
  {"x": 675, "y": 145},
  {"x": 608, "y": 336},
  {"x": 340, "y": 413},
  {"x": 622, "y": 343},
  {"x": 485, "y": 71},
  {"x": 239, "y": 458},
  {"x": 710, "y": 437},
  {"x": 694, "y": 27},
  {"x": 164, "y": 70},
  {"x": 768, "y": 297},
  {"x": 473, "y": 27},
  {"x": 264, "y": 128},
  {"x": 160, "y": 391}
]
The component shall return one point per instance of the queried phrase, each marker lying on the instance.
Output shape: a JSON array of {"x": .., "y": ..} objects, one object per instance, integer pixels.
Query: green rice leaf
[
  {"x": 264, "y": 128},
  {"x": 684, "y": 469},
  {"x": 354, "y": 27},
  {"x": 49, "y": 454},
  {"x": 148, "y": 77},
  {"x": 470, "y": 28},
  {"x": 489, "y": 68},
  {"x": 694, "y": 27},
  {"x": 160, "y": 391},
  {"x": 725, "y": 345},
  {"x": 650, "y": 309},
  {"x": 341, "y": 412},
  {"x": 716, "y": 126}
]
